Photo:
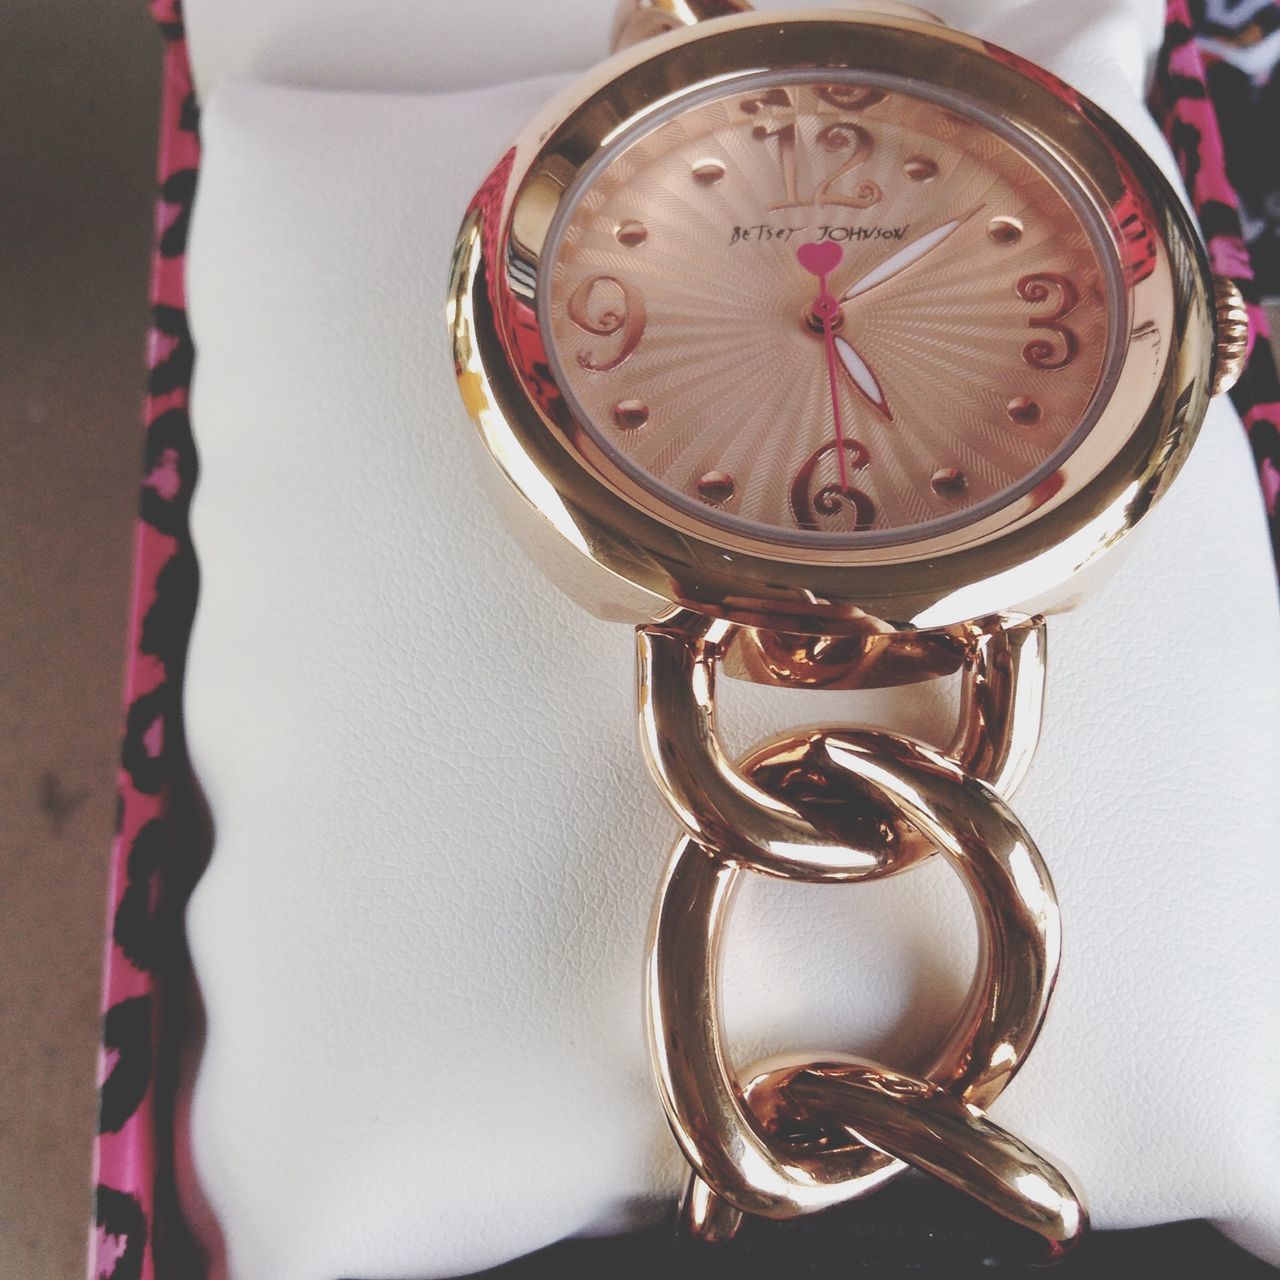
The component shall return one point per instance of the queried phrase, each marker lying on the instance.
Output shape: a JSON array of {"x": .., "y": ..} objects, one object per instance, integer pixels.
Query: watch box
[{"x": 152, "y": 1023}]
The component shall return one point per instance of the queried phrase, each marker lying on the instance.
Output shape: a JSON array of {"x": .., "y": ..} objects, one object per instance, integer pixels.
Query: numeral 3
[{"x": 1045, "y": 353}]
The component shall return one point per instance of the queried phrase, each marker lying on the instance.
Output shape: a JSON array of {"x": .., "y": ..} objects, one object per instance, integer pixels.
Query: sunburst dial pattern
[{"x": 970, "y": 340}]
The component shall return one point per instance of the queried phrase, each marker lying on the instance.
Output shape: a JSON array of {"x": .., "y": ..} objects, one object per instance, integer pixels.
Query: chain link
[{"x": 792, "y": 1135}]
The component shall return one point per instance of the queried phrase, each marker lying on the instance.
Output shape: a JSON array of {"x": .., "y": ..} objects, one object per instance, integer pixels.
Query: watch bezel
[{"x": 1011, "y": 561}]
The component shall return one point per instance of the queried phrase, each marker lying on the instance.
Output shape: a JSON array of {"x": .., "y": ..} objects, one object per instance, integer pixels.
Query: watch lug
[
  {"x": 637, "y": 20},
  {"x": 1231, "y": 329}
]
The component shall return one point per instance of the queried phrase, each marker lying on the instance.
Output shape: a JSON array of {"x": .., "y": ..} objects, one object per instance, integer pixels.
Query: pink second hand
[
  {"x": 820, "y": 258},
  {"x": 830, "y": 341}
]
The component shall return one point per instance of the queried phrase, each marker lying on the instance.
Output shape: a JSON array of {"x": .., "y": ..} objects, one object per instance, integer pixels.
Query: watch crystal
[{"x": 832, "y": 312}]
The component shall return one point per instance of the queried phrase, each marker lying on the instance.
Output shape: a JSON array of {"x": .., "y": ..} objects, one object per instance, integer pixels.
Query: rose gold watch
[{"x": 833, "y": 350}]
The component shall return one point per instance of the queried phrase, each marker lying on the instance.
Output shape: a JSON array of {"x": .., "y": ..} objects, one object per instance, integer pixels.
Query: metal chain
[{"x": 792, "y": 1135}]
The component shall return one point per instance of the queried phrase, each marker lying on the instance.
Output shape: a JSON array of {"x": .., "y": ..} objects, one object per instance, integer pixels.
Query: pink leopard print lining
[{"x": 155, "y": 859}]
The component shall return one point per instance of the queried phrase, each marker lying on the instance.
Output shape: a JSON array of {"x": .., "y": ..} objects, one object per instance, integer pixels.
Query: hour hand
[{"x": 860, "y": 374}]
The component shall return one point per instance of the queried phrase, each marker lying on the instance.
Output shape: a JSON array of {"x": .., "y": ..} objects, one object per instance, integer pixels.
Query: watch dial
[{"x": 831, "y": 312}]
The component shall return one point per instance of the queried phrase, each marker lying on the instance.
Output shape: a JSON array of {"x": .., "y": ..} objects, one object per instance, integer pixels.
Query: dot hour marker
[
  {"x": 706, "y": 173},
  {"x": 1025, "y": 411},
  {"x": 948, "y": 482},
  {"x": 716, "y": 487},
  {"x": 851, "y": 97},
  {"x": 632, "y": 234},
  {"x": 1005, "y": 231},
  {"x": 630, "y": 415},
  {"x": 920, "y": 169}
]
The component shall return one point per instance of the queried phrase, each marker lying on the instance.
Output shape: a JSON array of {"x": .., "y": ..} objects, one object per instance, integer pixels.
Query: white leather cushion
[
  {"x": 419, "y": 941},
  {"x": 461, "y": 44}
]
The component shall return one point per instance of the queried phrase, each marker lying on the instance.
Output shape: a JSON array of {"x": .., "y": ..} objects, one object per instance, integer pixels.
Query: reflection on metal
[
  {"x": 794, "y": 1135},
  {"x": 638, "y": 20}
]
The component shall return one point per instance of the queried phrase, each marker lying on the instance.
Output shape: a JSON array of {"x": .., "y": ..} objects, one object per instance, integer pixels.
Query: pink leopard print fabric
[
  {"x": 160, "y": 844},
  {"x": 138, "y": 1233},
  {"x": 1199, "y": 36}
]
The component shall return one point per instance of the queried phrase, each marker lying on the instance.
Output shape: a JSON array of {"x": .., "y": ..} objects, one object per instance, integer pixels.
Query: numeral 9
[{"x": 605, "y": 307}]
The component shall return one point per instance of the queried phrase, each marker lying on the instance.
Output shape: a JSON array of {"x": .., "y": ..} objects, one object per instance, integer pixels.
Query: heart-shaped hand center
[{"x": 820, "y": 257}]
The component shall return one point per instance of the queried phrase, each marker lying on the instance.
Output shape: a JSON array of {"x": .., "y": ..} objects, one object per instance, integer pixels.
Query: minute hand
[{"x": 896, "y": 263}]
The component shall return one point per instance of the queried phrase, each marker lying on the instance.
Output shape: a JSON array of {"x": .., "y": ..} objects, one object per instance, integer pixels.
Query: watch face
[{"x": 831, "y": 312}]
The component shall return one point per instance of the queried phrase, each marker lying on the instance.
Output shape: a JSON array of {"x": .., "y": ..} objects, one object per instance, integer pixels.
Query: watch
[{"x": 835, "y": 350}]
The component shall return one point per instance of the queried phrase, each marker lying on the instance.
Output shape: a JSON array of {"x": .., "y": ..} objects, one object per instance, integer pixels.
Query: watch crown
[{"x": 1231, "y": 323}]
